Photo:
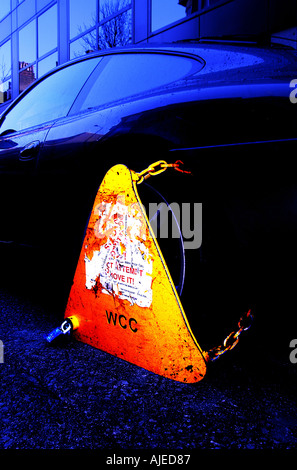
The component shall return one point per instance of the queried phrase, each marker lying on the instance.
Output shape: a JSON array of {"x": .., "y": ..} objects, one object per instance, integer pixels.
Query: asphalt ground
[{"x": 69, "y": 398}]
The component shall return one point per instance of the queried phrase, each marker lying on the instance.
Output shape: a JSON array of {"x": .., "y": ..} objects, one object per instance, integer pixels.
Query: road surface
[{"x": 70, "y": 396}]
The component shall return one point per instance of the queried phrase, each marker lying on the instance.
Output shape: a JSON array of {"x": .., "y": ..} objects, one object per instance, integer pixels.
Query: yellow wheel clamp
[{"x": 123, "y": 300}]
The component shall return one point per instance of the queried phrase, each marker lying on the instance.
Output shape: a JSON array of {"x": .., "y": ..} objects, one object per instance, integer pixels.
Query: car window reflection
[{"x": 50, "y": 99}]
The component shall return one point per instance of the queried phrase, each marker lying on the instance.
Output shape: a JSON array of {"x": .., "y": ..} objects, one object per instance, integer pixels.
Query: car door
[
  {"x": 102, "y": 110},
  {"x": 23, "y": 130},
  {"x": 18, "y": 156}
]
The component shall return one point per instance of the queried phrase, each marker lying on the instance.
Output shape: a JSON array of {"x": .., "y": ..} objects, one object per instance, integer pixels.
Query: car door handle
[{"x": 30, "y": 151}]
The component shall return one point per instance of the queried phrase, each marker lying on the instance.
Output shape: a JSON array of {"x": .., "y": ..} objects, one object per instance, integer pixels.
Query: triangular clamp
[{"x": 122, "y": 295}]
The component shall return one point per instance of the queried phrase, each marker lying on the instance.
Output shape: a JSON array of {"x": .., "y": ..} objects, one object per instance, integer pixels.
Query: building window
[
  {"x": 5, "y": 72},
  {"x": 4, "y": 8},
  {"x": 27, "y": 55},
  {"x": 86, "y": 43},
  {"x": 27, "y": 44},
  {"x": 115, "y": 29},
  {"x": 166, "y": 12},
  {"x": 103, "y": 24},
  {"x": 48, "y": 63},
  {"x": 82, "y": 16},
  {"x": 47, "y": 31},
  {"x": 27, "y": 76},
  {"x": 110, "y": 8},
  {"x": 38, "y": 45}
]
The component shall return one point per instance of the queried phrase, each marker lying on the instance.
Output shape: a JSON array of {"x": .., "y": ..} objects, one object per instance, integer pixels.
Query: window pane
[
  {"x": 126, "y": 75},
  {"x": 27, "y": 44},
  {"x": 81, "y": 46},
  {"x": 111, "y": 7},
  {"x": 4, "y": 8},
  {"x": 27, "y": 77},
  {"x": 165, "y": 12},
  {"x": 51, "y": 98},
  {"x": 82, "y": 16},
  {"x": 45, "y": 65},
  {"x": 47, "y": 31},
  {"x": 5, "y": 61},
  {"x": 116, "y": 32}
]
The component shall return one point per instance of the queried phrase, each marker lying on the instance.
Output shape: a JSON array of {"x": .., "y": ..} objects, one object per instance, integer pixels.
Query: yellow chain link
[
  {"x": 245, "y": 321},
  {"x": 232, "y": 339},
  {"x": 153, "y": 170}
]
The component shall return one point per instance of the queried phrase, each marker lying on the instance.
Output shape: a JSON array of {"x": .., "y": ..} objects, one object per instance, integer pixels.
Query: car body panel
[
  {"x": 19, "y": 154},
  {"x": 231, "y": 123}
]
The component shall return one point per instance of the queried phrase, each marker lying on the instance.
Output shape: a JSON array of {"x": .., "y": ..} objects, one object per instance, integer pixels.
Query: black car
[{"x": 226, "y": 110}]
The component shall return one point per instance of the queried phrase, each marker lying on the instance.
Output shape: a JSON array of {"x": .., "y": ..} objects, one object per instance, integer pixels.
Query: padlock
[{"x": 68, "y": 325}]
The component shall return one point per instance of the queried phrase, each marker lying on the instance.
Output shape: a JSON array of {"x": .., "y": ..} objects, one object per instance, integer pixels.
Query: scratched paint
[{"x": 123, "y": 263}]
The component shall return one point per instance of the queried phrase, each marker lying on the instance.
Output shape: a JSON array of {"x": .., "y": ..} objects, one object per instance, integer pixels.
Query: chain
[
  {"x": 157, "y": 168},
  {"x": 246, "y": 320},
  {"x": 232, "y": 339}
]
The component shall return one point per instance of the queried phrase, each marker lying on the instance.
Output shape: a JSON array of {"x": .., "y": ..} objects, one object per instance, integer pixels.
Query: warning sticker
[{"x": 123, "y": 265}]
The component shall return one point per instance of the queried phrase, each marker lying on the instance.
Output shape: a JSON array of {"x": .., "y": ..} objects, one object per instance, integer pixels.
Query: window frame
[
  {"x": 95, "y": 28},
  {"x": 41, "y": 56},
  {"x": 8, "y": 78},
  {"x": 75, "y": 108},
  {"x": 38, "y": 56}
]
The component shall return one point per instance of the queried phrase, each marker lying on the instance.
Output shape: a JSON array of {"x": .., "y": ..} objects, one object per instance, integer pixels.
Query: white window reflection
[
  {"x": 27, "y": 44},
  {"x": 47, "y": 31},
  {"x": 82, "y": 16},
  {"x": 5, "y": 91}
]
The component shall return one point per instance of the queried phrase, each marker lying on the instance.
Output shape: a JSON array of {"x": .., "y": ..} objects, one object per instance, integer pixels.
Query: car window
[
  {"x": 51, "y": 98},
  {"x": 123, "y": 75}
]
